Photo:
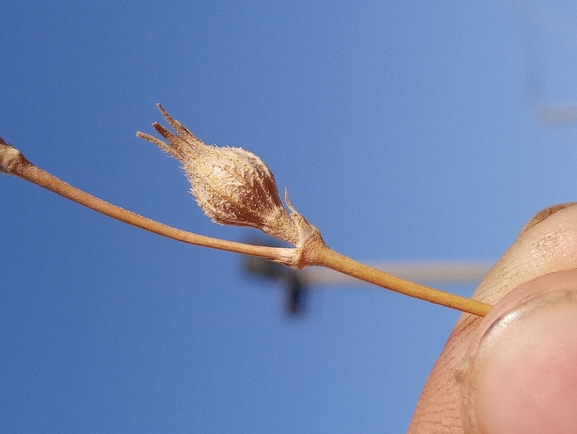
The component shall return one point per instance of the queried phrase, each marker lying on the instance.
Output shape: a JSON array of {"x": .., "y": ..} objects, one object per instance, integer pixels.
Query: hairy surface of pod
[{"x": 231, "y": 185}]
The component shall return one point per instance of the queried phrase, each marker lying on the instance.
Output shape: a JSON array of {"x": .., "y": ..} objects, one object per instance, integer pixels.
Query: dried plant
[{"x": 234, "y": 187}]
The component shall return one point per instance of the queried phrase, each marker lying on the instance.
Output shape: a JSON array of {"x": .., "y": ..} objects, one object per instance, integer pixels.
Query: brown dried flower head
[{"x": 231, "y": 185}]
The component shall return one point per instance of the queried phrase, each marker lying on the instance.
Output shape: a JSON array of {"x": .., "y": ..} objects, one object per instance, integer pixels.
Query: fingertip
[{"x": 522, "y": 377}]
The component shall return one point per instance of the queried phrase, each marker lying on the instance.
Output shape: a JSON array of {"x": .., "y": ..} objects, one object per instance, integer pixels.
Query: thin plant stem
[
  {"x": 324, "y": 256},
  {"x": 16, "y": 164},
  {"x": 314, "y": 253}
]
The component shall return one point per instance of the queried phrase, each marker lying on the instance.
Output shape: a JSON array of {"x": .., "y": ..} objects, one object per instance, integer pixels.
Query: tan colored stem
[
  {"x": 14, "y": 163},
  {"x": 320, "y": 254},
  {"x": 314, "y": 252}
]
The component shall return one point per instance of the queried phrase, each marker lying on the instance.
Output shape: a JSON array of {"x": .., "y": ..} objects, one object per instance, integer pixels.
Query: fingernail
[{"x": 522, "y": 375}]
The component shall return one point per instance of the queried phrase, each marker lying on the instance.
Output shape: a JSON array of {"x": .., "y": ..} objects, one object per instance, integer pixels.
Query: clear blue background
[{"x": 404, "y": 130}]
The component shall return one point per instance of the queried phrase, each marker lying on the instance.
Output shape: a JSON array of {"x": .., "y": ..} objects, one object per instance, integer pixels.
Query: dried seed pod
[{"x": 231, "y": 185}]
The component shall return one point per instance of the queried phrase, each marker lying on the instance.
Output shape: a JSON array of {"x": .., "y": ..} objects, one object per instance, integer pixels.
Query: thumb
[
  {"x": 521, "y": 377},
  {"x": 546, "y": 245}
]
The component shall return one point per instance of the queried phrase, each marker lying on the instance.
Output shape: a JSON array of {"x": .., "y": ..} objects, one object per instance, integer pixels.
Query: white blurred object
[
  {"x": 432, "y": 271},
  {"x": 556, "y": 114}
]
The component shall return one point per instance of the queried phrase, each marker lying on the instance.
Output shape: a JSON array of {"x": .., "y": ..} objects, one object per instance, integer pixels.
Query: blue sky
[{"x": 403, "y": 130}]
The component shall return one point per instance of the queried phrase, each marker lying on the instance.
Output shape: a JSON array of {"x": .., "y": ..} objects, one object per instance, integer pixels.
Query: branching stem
[{"x": 313, "y": 253}]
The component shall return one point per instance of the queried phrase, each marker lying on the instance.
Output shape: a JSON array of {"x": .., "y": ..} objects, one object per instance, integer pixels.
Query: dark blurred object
[
  {"x": 297, "y": 284},
  {"x": 296, "y": 296},
  {"x": 292, "y": 280}
]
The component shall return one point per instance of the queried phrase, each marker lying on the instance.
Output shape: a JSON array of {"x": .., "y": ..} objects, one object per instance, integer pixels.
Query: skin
[{"x": 516, "y": 369}]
